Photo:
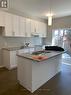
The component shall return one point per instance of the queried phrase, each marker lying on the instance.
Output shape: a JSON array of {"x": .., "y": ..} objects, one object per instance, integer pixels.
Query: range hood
[
  {"x": 35, "y": 35},
  {"x": 2, "y": 29}
]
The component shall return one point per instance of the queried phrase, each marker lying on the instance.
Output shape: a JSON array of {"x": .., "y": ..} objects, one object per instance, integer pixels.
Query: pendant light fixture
[
  {"x": 49, "y": 20},
  {"x": 49, "y": 15},
  {"x": 3, "y": 4}
]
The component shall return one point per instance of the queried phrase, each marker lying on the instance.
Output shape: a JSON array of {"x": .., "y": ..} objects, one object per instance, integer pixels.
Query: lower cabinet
[{"x": 9, "y": 59}]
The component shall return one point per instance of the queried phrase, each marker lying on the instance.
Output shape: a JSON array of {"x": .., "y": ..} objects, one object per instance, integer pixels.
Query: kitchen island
[{"x": 36, "y": 69}]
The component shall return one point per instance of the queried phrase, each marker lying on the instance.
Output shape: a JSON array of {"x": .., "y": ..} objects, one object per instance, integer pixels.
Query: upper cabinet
[
  {"x": 15, "y": 25},
  {"x": 38, "y": 28},
  {"x": 28, "y": 27},
  {"x": 34, "y": 27},
  {"x": 8, "y": 24},
  {"x": 22, "y": 27},
  {"x": 19, "y": 26},
  {"x": 1, "y": 18},
  {"x": 42, "y": 29},
  {"x": 11, "y": 23}
]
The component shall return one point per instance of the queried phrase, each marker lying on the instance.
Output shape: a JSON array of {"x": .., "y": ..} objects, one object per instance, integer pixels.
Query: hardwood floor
[{"x": 58, "y": 85}]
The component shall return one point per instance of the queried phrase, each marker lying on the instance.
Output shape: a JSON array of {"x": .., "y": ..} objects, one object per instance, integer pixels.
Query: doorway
[{"x": 62, "y": 38}]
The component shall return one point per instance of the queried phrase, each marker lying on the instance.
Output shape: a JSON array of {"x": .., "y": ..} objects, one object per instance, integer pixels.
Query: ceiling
[{"x": 40, "y": 8}]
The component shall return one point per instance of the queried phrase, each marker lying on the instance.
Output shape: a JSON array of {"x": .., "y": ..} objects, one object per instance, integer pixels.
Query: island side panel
[
  {"x": 24, "y": 72},
  {"x": 45, "y": 70}
]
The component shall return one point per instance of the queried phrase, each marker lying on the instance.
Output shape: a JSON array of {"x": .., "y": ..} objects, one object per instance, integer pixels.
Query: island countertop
[{"x": 44, "y": 55}]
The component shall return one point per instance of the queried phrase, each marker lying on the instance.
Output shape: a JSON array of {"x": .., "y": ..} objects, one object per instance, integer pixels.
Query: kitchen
[{"x": 13, "y": 20}]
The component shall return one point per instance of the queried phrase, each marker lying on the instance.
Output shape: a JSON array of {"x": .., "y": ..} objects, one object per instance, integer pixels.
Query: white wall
[{"x": 63, "y": 22}]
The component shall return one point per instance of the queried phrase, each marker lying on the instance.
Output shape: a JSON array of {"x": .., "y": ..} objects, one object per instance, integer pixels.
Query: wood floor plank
[{"x": 58, "y": 85}]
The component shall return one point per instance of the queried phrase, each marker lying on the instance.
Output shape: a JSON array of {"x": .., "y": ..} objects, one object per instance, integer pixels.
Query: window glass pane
[
  {"x": 56, "y": 32},
  {"x": 61, "y": 32}
]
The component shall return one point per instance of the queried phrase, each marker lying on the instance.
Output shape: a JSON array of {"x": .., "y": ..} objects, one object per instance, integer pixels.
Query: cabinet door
[
  {"x": 1, "y": 18},
  {"x": 13, "y": 59},
  {"x": 15, "y": 25},
  {"x": 9, "y": 59},
  {"x": 33, "y": 29},
  {"x": 22, "y": 26},
  {"x": 8, "y": 24},
  {"x": 36, "y": 27},
  {"x": 44, "y": 34},
  {"x": 28, "y": 28},
  {"x": 42, "y": 29},
  {"x": 6, "y": 59}
]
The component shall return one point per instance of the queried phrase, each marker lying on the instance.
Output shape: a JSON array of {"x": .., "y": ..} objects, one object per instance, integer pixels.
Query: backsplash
[{"x": 18, "y": 41}]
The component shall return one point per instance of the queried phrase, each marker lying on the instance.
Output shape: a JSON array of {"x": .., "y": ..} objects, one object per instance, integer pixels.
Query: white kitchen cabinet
[
  {"x": 32, "y": 74},
  {"x": 9, "y": 59},
  {"x": 8, "y": 24},
  {"x": 1, "y": 18},
  {"x": 34, "y": 27},
  {"x": 19, "y": 26},
  {"x": 28, "y": 27},
  {"x": 42, "y": 29},
  {"x": 22, "y": 27},
  {"x": 44, "y": 33},
  {"x": 15, "y": 25},
  {"x": 38, "y": 28},
  {"x": 11, "y": 23}
]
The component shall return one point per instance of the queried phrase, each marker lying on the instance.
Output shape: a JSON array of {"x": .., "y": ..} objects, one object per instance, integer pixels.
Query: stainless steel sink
[{"x": 40, "y": 52}]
